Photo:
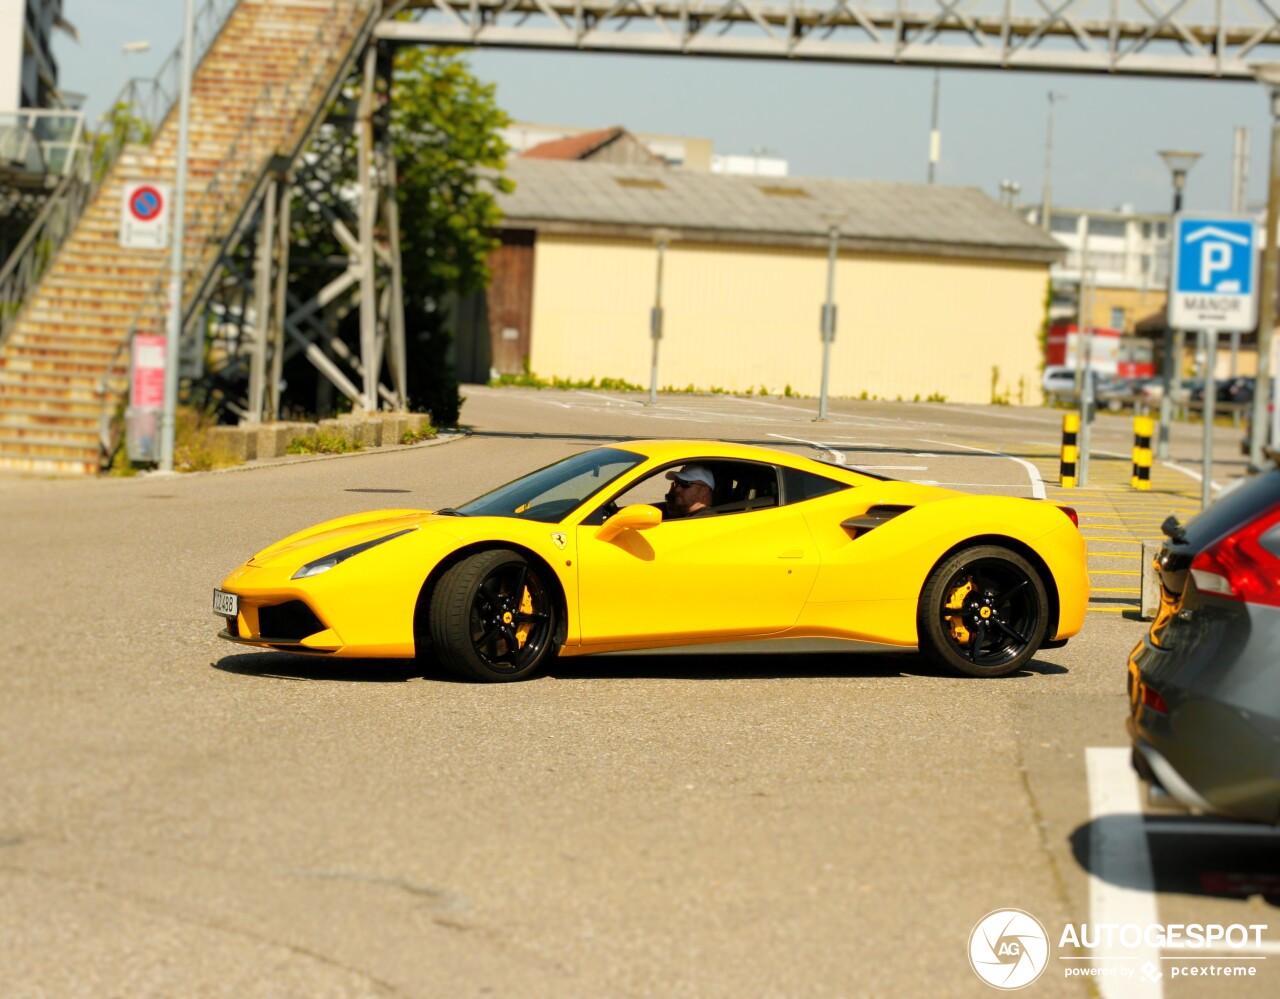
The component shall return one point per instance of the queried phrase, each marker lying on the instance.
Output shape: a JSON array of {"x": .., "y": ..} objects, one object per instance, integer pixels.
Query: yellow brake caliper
[
  {"x": 526, "y": 607},
  {"x": 955, "y": 602}
]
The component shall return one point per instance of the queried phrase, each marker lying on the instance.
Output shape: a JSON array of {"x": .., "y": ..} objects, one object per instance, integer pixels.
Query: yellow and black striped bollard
[
  {"x": 1070, "y": 450},
  {"x": 1143, "y": 429}
]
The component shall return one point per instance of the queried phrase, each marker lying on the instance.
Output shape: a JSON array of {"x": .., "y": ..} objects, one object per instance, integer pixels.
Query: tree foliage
[{"x": 449, "y": 159}]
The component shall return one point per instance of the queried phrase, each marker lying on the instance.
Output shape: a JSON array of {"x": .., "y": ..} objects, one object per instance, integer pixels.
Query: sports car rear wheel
[
  {"x": 983, "y": 611},
  {"x": 493, "y": 617}
]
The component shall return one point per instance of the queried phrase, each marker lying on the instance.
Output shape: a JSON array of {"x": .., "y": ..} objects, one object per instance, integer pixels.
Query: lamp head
[{"x": 1179, "y": 162}]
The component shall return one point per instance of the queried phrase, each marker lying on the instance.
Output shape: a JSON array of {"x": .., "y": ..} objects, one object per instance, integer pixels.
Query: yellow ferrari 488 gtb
[{"x": 604, "y": 552}]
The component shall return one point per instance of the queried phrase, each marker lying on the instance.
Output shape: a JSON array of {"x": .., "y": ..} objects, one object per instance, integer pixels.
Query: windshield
[{"x": 550, "y": 494}]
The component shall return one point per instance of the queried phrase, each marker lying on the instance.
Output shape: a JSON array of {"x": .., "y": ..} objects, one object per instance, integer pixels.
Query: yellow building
[{"x": 939, "y": 290}]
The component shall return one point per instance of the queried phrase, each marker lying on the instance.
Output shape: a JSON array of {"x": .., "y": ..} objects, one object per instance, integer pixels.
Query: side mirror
[{"x": 637, "y": 517}]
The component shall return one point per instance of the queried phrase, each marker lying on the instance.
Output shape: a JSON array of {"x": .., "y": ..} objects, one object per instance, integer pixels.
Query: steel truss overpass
[{"x": 1181, "y": 38}]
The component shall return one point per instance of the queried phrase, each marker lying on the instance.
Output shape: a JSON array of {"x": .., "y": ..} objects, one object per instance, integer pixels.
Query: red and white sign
[
  {"x": 146, "y": 381},
  {"x": 144, "y": 215}
]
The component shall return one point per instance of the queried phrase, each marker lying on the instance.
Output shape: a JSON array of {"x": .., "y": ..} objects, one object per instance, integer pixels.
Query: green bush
[{"x": 322, "y": 444}]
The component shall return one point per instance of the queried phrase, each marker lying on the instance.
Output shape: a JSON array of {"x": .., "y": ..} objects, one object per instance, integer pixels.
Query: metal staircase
[{"x": 72, "y": 295}]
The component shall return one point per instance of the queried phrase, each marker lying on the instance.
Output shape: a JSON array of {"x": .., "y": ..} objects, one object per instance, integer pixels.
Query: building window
[
  {"x": 1106, "y": 227},
  {"x": 1062, "y": 223},
  {"x": 1146, "y": 230},
  {"x": 1117, "y": 319},
  {"x": 1161, "y": 230}
]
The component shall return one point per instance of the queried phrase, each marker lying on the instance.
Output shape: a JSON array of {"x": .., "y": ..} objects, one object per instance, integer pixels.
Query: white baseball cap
[{"x": 694, "y": 473}]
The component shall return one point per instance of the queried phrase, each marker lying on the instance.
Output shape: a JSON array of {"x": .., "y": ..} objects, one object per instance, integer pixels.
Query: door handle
[{"x": 792, "y": 553}]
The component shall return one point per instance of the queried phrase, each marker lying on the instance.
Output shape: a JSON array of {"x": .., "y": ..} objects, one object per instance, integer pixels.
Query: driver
[{"x": 690, "y": 491}]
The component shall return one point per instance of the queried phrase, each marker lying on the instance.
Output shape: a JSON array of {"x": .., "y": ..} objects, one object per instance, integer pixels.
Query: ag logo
[
  {"x": 559, "y": 539},
  {"x": 1008, "y": 949}
]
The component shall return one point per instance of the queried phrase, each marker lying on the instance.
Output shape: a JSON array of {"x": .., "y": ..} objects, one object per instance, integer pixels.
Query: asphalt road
[{"x": 180, "y": 817}]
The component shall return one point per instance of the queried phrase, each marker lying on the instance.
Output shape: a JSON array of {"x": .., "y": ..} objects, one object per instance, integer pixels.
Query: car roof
[{"x": 692, "y": 450}]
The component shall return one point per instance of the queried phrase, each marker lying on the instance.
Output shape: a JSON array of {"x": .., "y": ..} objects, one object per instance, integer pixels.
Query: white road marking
[
  {"x": 836, "y": 456},
  {"x": 1174, "y": 466},
  {"x": 611, "y": 400},
  {"x": 1037, "y": 483},
  {"x": 1121, "y": 885}
]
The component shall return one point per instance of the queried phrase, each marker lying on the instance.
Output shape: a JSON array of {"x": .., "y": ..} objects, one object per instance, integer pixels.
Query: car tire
[
  {"x": 493, "y": 617},
  {"x": 983, "y": 612}
]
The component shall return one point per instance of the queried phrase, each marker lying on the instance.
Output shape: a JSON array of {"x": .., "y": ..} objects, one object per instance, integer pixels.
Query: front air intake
[{"x": 292, "y": 621}]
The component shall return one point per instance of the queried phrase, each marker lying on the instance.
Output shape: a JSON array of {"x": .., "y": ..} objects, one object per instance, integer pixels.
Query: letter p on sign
[{"x": 1214, "y": 257}]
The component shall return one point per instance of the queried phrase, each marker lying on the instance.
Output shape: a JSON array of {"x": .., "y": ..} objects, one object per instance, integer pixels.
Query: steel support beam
[
  {"x": 262, "y": 303},
  {"x": 1188, "y": 38},
  {"x": 368, "y": 208}
]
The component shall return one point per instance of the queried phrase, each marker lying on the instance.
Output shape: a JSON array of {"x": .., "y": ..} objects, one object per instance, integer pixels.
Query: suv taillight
[{"x": 1238, "y": 567}]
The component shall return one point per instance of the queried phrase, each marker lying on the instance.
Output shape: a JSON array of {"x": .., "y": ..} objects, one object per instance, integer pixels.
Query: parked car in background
[
  {"x": 1108, "y": 392},
  {"x": 1153, "y": 391},
  {"x": 1204, "y": 683},
  {"x": 1059, "y": 382}
]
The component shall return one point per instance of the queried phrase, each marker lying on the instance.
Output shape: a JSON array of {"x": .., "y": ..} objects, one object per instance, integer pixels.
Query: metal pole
[
  {"x": 828, "y": 324},
  {"x": 1086, "y": 387},
  {"x": 1172, "y": 343},
  {"x": 1207, "y": 413},
  {"x": 262, "y": 304},
  {"x": 935, "y": 137},
  {"x": 1046, "y": 200},
  {"x": 655, "y": 323},
  {"x": 368, "y": 208},
  {"x": 1267, "y": 299},
  {"x": 281, "y": 307},
  {"x": 1240, "y": 170},
  {"x": 173, "y": 337}
]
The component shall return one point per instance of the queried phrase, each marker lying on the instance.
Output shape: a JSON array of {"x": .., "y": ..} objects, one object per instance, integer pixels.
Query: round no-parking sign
[
  {"x": 146, "y": 203},
  {"x": 144, "y": 215}
]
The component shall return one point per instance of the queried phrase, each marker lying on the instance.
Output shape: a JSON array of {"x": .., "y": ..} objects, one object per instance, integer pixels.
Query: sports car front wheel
[
  {"x": 493, "y": 617},
  {"x": 983, "y": 611}
]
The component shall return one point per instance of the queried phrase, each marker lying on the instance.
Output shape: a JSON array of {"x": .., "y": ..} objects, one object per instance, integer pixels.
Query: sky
[{"x": 847, "y": 120}]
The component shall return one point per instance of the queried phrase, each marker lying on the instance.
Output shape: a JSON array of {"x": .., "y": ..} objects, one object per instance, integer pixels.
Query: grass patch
[
  {"x": 417, "y": 436},
  {"x": 194, "y": 449},
  {"x": 322, "y": 444}
]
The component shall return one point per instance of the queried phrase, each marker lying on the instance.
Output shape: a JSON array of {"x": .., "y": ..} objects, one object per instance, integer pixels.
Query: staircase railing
[
  {"x": 135, "y": 116},
  {"x": 283, "y": 115}
]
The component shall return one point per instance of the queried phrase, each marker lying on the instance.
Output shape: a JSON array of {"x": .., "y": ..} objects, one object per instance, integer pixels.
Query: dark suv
[{"x": 1204, "y": 684}]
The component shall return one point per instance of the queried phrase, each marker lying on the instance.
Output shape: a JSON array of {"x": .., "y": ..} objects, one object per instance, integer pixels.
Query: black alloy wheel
[
  {"x": 493, "y": 617},
  {"x": 983, "y": 612}
]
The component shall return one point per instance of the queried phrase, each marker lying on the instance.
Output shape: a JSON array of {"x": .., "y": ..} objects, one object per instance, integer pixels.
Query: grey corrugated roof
[{"x": 906, "y": 218}]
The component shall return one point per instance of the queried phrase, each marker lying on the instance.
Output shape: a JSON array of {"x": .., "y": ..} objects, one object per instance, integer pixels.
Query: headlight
[{"x": 320, "y": 565}]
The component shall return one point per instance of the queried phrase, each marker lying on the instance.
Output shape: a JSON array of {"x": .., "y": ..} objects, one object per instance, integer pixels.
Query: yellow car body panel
[
  {"x": 717, "y": 577},
  {"x": 784, "y": 571}
]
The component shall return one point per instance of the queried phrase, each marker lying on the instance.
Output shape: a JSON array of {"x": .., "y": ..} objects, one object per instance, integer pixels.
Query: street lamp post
[
  {"x": 935, "y": 137},
  {"x": 828, "y": 322},
  {"x": 1046, "y": 200},
  {"x": 660, "y": 237},
  {"x": 1268, "y": 75},
  {"x": 1179, "y": 163}
]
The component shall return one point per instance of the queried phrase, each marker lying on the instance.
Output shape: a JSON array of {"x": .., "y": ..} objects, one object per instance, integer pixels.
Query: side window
[
  {"x": 799, "y": 486},
  {"x": 741, "y": 486}
]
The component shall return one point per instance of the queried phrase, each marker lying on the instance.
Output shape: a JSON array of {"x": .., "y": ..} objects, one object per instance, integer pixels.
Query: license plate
[{"x": 226, "y": 604}]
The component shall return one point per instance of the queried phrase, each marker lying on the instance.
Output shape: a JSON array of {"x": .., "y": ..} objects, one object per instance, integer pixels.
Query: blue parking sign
[{"x": 1214, "y": 274}]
